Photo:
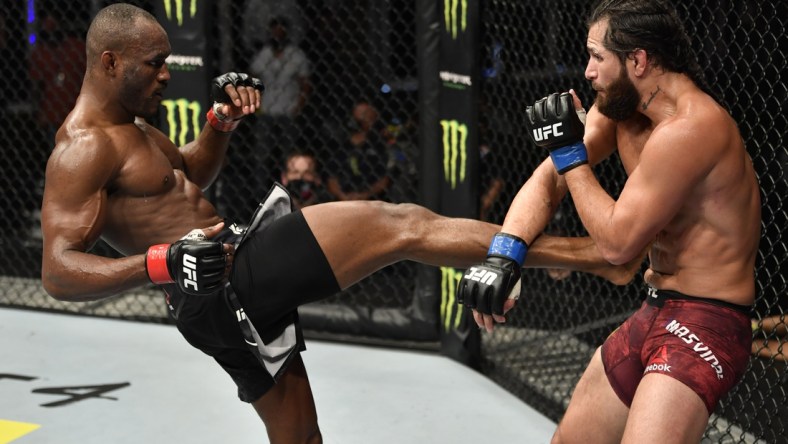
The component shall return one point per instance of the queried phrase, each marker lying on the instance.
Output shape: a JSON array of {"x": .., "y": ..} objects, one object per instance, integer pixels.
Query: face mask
[{"x": 301, "y": 189}]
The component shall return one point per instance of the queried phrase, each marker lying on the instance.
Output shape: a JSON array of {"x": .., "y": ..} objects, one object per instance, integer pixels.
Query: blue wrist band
[
  {"x": 568, "y": 157},
  {"x": 508, "y": 246}
]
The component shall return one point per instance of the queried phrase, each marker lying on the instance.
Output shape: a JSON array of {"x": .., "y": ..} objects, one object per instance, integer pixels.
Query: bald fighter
[{"x": 233, "y": 291}]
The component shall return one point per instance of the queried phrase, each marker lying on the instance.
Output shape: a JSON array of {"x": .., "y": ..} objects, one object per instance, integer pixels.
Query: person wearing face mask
[
  {"x": 301, "y": 178},
  {"x": 284, "y": 69}
]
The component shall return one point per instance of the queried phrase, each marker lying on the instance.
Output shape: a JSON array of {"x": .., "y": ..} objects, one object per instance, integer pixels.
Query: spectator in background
[
  {"x": 301, "y": 177},
  {"x": 284, "y": 69},
  {"x": 56, "y": 66},
  {"x": 257, "y": 15},
  {"x": 357, "y": 170}
]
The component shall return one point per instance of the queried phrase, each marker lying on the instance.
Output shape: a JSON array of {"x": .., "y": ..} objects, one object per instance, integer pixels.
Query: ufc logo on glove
[
  {"x": 486, "y": 277},
  {"x": 544, "y": 132},
  {"x": 190, "y": 272},
  {"x": 196, "y": 266}
]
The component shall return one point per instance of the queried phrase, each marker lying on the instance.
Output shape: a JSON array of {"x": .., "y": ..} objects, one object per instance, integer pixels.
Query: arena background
[{"x": 450, "y": 80}]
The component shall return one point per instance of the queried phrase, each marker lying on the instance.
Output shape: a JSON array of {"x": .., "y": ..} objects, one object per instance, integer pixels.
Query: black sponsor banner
[
  {"x": 186, "y": 99},
  {"x": 458, "y": 107},
  {"x": 458, "y": 71}
]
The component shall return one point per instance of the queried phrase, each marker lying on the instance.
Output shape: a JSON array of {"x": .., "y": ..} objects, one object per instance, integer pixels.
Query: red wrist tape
[
  {"x": 156, "y": 264},
  {"x": 219, "y": 125}
]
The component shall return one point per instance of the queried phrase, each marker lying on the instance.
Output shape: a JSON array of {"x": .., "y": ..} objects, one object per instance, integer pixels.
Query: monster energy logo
[
  {"x": 452, "y": 20},
  {"x": 449, "y": 280},
  {"x": 182, "y": 115},
  {"x": 455, "y": 150},
  {"x": 179, "y": 9}
]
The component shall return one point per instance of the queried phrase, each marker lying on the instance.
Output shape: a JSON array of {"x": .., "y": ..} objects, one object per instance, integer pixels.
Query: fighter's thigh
[
  {"x": 595, "y": 413},
  {"x": 288, "y": 409},
  {"x": 665, "y": 410},
  {"x": 361, "y": 237}
]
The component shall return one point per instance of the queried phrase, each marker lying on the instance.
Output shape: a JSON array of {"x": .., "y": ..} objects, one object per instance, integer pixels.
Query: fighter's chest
[{"x": 146, "y": 172}]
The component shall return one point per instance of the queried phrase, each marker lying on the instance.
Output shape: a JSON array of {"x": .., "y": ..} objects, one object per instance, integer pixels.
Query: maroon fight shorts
[{"x": 704, "y": 343}]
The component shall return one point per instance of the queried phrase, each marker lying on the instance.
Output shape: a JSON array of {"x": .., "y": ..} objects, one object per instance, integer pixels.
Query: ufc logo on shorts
[
  {"x": 545, "y": 131},
  {"x": 190, "y": 271},
  {"x": 486, "y": 277}
]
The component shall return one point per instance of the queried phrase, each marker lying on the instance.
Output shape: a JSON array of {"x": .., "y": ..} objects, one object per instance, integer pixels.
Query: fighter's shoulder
[
  {"x": 700, "y": 119},
  {"x": 703, "y": 112},
  {"x": 86, "y": 147}
]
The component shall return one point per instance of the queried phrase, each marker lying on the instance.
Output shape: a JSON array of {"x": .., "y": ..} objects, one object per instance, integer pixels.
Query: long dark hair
[{"x": 651, "y": 25}]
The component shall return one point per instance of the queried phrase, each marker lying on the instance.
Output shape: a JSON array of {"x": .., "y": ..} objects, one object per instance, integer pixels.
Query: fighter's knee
[{"x": 410, "y": 219}]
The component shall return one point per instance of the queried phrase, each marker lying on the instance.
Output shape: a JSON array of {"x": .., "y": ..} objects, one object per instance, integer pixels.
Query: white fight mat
[{"x": 71, "y": 379}]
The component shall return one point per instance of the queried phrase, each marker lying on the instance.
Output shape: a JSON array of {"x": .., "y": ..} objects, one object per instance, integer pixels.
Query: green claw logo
[
  {"x": 451, "y": 319},
  {"x": 182, "y": 115},
  {"x": 455, "y": 151},
  {"x": 454, "y": 20},
  {"x": 179, "y": 9}
]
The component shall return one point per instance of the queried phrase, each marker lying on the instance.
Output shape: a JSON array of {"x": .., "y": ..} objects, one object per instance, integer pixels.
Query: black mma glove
[
  {"x": 216, "y": 118},
  {"x": 218, "y": 94},
  {"x": 553, "y": 123},
  {"x": 486, "y": 287},
  {"x": 196, "y": 266}
]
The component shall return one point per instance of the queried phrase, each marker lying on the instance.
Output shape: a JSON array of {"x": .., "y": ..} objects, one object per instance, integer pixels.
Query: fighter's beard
[{"x": 621, "y": 99}]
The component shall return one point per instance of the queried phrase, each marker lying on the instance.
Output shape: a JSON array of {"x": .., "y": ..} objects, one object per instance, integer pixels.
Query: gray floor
[{"x": 157, "y": 389}]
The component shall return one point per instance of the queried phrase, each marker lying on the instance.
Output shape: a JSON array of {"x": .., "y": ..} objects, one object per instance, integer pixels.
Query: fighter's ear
[
  {"x": 109, "y": 61},
  {"x": 639, "y": 59}
]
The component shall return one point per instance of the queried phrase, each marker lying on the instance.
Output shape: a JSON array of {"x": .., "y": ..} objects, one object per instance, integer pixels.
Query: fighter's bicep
[
  {"x": 660, "y": 185},
  {"x": 75, "y": 193}
]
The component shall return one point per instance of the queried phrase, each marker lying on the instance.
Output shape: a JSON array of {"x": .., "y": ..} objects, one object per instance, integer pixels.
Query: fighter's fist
[
  {"x": 196, "y": 266},
  {"x": 219, "y": 90},
  {"x": 486, "y": 287},
  {"x": 553, "y": 123},
  {"x": 235, "y": 95}
]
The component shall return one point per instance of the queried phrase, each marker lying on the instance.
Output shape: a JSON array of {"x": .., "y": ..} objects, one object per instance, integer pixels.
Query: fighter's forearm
[
  {"x": 579, "y": 254},
  {"x": 80, "y": 276},
  {"x": 615, "y": 235},
  {"x": 535, "y": 203},
  {"x": 204, "y": 157},
  {"x": 572, "y": 253}
]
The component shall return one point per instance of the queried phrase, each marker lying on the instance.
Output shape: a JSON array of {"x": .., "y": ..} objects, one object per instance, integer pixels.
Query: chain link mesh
[{"x": 365, "y": 51}]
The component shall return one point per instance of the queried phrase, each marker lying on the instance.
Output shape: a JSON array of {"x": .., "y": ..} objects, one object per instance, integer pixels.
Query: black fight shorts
[{"x": 251, "y": 329}]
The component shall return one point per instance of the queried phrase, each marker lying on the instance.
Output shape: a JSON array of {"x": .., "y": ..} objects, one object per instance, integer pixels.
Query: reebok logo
[
  {"x": 657, "y": 368},
  {"x": 484, "y": 276},
  {"x": 190, "y": 272},
  {"x": 545, "y": 131},
  {"x": 660, "y": 363}
]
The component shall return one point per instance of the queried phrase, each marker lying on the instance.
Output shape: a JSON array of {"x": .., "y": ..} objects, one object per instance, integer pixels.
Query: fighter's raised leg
[{"x": 361, "y": 237}]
